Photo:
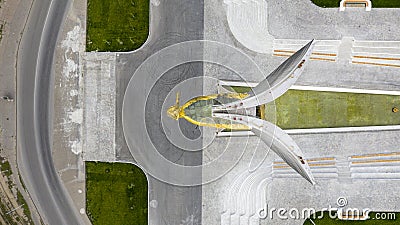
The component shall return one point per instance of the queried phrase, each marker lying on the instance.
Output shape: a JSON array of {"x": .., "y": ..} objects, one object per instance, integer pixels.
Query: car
[{"x": 7, "y": 98}]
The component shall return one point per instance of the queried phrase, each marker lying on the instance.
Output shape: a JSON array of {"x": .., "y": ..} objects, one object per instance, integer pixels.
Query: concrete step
[
  {"x": 382, "y": 50},
  {"x": 254, "y": 220},
  {"x": 256, "y": 198},
  {"x": 248, "y": 189},
  {"x": 345, "y": 50},
  {"x": 225, "y": 219},
  {"x": 374, "y": 61},
  {"x": 262, "y": 196},
  {"x": 377, "y": 55},
  {"x": 377, "y": 44},
  {"x": 318, "y": 48},
  {"x": 316, "y": 175},
  {"x": 342, "y": 164},
  {"x": 235, "y": 219},
  {"x": 376, "y": 169},
  {"x": 343, "y": 167},
  {"x": 244, "y": 220},
  {"x": 331, "y": 169},
  {"x": 389, "y": 176},
  {"x": 300, "y": 42},
  {"x": 344, "y": 174},
  {"x": 244, "y": 196},
  {"x": 389, "y": 155},
  {"x": 375, "y": 163},
  {"x": 230, "y": 198}
]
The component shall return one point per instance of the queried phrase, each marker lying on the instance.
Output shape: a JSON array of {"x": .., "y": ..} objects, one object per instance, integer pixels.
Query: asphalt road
[
  {"x": 173, "y": 21},
  {"x": 34, "y": 106}
]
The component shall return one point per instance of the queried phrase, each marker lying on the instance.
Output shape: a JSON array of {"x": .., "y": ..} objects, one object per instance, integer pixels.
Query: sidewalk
[{"x": 68, "y": 105}]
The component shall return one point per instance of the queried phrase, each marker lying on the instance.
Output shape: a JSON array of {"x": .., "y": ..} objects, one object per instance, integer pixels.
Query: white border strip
[
  {"x": 342, "y": 129},
  {"x": 316, "y": 130},
  {"x": 236, "y": 83},
  {"x": 345, "y": 90},
  {"x": 314, "y": 88}
]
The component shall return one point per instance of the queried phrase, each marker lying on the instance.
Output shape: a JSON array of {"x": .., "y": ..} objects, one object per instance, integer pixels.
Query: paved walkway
[
  {"x": 248, "y": 192},
  {"x": 248, "y": 21},
  {"x": 68, "y": 116},
  {"x": 347, "y": 37},
  {"x": 99, "y": 107},
  {"x": 304, "y": 20}
]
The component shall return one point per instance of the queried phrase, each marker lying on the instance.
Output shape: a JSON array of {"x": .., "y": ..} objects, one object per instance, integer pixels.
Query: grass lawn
[
  {"x": 326, "y": 220},
  {"x": 375, "y": 3},
  {"x": 327, "y": 3},
  {"x": 314, "y": 109},
  {"x": 238, "y": 89},
  {"x": 116, "y": 193},
  {"x": 118, "y": 25}
]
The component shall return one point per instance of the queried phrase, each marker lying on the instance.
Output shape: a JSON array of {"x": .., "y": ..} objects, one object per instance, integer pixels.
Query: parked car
[{"x": 7, "y": 98}]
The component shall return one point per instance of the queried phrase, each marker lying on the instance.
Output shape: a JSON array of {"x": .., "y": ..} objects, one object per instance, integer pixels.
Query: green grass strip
[
  {"x": 118, "y": 25},
  {"x": 116, "y": 193},
  {"x": 375, "y": 3},
  {"x": 316, "y": 109}
]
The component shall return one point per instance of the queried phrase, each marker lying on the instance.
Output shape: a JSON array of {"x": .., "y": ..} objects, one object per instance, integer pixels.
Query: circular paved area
[{"x": 156, "y": 141}]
